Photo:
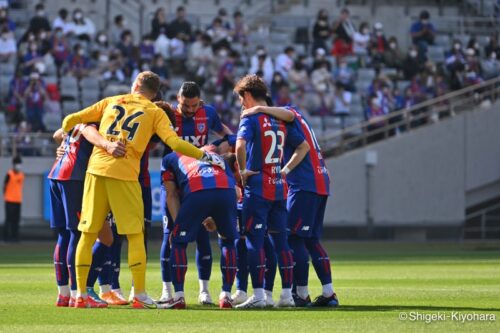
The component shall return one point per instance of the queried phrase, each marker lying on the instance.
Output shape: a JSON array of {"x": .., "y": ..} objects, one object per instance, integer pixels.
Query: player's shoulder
[{"x": 209, "y": 109}]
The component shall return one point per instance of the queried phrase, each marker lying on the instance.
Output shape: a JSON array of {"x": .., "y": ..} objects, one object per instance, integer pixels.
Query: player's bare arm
[
  {"x": 274, "y": 111},
  {"x": 58, "y": 136},
  {"x": 116, "y": 148},
  {"x": 297, "y": 157},
  {"x": 173, "y": 200},
  {"x": 241, "y": 157}
]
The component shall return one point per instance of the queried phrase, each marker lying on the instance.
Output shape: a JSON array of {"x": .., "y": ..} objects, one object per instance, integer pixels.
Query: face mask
[
  {"x": 18, "y": 167},
  {"x": 425, "y": 21},
  {"x": 223, "y": 53},
  {"x": 366, "y": 31},
  {"x": 102, "y": 39},
  {"x": 413, "y": 53},
  {"x": 493, "y": 55},
  {"x": 457, "y": 46},
  {"x": 392, "y": 45},
  {"x": 33, "y": 48},
  {"x": 81, "y": 52},
  {"x": 31, "y": 38},
  {"x": 40, "y": 13},
  {"x": 43, "y": 35},
  {"x": 476, "y": 46},
  {"x": 103, "y": 58},
  {"x": 376, "y": 102},
  {"x": 78, "y": 16},
  {"x": 379, "y": 33}
]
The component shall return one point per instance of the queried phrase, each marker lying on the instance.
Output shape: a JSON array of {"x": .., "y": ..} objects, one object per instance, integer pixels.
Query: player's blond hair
[{"x": 149, "y": 82}]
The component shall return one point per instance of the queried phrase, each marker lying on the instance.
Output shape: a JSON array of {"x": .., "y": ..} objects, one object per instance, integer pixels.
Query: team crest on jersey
[{"x": 201, "y": 127}]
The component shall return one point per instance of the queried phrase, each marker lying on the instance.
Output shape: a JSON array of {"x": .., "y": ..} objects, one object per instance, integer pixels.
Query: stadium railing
[{"x": 422, "y": 114}]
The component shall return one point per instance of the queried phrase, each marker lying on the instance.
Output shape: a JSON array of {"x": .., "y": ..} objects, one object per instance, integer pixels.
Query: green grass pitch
[{"x": 375, "y": 282}]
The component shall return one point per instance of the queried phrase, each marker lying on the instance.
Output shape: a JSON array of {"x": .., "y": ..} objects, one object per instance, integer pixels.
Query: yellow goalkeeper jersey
[{"x": 132, "y": 119}]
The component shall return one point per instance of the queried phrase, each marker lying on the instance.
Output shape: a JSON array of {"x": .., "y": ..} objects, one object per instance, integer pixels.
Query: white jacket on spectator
[
  {"x": 283, "y": 64},
  {"x": 66, "y": 26},
  {"x": 87, "y": 28},
  {"x": 162, "y": 46},
  {"x": 267, "y": 68}
]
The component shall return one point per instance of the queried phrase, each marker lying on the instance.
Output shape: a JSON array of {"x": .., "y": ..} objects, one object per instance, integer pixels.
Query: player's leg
[
  {"x": 95, "y": 208},
  {"x": 254, "y": 215},
  {"x": 116, "y": 264},
  {"x": 147, "y": 200},
  {"x": 125, "y": 199},
  {"x": 185, "y": 229},
  {"x": 224, "y": 214},
  {"x": 58, "y": 223},
  {"x": 204, "y": 262},
  {"x": 320, "y": 258},
  {"x": 71, "y": 196},
  {"x": 277, "y": 232},
  {"x": 167, "y": 290},
  {"x": 302, "y": 212},
  {"x": 99, "y": 253},
  {"x": 271, "y": 268}
]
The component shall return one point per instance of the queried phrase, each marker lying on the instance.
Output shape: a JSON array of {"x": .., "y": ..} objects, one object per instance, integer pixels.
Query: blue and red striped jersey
[
  {"x": 195, "y": 130},
  {"x": 192, "y": 175},
  {"x": 266, "y": 138},
  {"x": 73, "y": 164},
  {"x": 311, "y": 174}
]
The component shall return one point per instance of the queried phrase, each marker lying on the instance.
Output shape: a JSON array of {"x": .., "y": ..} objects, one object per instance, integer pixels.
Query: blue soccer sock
[
  {"x": 242, "y": 263},
  {"x": 285, "y": 258},
  {"x": 271, "y": 264},
  {"x": 203, "y": 255},
  {"x": 227, "y": 263},
  {"x": 165, "y": 259},
  {"x": 73, "y": 243},
  {"x": 116, "y": 254},
  {"x": 301, "y": 258},
  {"x": 178, "y": 262},
  {"x": 256, "y": 259},
  {"x": 106, "y": 275},
  {"x": 60, "y": 257},
  {"x": 99, "y": 253},
  {"x": 320, "y": 260}
]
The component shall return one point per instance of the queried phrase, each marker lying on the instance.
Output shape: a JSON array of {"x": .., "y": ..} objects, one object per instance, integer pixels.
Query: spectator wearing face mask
[
  {"x": 262, "y": 62},
  {"x": 15, "y": 98},
  {"x": 344, "y": 30},
  {"x": 321, "y": 31},
  {"x": 298, "y": 78},
  {"x": 412, "y": 65},
  {"x": 146, "y": 49},
  {"x": 38, "y": 22},
  {"x": 239, "y": 29},
  {"x": 423, "y": 33},
  {"x": 375, "y": 115},
  {"x": 491, "y": 66},
  {"x": 455, "y": 64},
  {"x": 219, "y": 34},
  {"x": 159, "y": 23},
  {"x": 13, "y": 198},
  {"x": 83, "y": 27},
  {"x": 61, "y": 21},
  {"x": 393, "y": 57},
  {"x": 44, "y": 43},
  {"x": 34, "y": 97},
  {"x": 345, "y": 75},
  {"x": 361, "y": 39},
  {"x": 378, "y": 45},
  {"x": 474, "y": 44},
  {"x": 473, "y": 70},
  {"x": 78, "y": 62},
  {"x": 32, "y": 57},
  {"x": 5, "y": 20},
  {"x": 60, "y": 47},
  {"x": 8, "y": 47},
  {"x": 284, "y": 62},
  {"x": 180, "y": 27}
]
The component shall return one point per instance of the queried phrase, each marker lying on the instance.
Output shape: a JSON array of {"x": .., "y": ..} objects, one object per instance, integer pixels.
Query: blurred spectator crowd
[{"x": 345, "y": 67}]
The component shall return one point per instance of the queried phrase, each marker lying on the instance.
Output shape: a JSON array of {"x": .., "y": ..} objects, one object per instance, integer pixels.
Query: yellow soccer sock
[
  {"x": 137, "y": 261},
  {"x": 83, "y": 260}
]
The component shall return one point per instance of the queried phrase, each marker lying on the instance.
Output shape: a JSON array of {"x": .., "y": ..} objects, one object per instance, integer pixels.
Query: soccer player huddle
[{"x": 263, "y": 190}]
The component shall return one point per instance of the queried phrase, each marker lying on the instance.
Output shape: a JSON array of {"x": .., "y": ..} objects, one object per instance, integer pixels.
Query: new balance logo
[
  {"x": 305, "y": 228},
  {"x": 258, "y": 226},
  {"x": 182, "y": 233},
  {"x": 84, "y": 222}
]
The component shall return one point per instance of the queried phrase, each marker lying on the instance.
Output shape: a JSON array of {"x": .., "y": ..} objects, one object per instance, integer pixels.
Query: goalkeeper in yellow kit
[{"x": 111, "y": 184}]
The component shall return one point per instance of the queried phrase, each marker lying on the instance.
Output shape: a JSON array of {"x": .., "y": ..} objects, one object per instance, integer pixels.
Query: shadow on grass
[{"x": 342, "y": 308}]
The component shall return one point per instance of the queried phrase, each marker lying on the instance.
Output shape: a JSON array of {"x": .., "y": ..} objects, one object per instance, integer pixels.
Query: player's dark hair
[
  {"x": 168, "y": 110},
  {"x": 189, "y": 89},
  {"x": 252, "y": 84},
  {"x": 149, "y": 81}
]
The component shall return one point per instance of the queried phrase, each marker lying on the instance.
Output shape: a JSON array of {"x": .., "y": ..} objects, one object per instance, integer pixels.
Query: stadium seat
[
  {"x": 436, "y": 53},
  {"x": 366, "y": 74},
  {"x": 442, "y": 40},
  {"x": 70, "y": 107},
  {"x": 389, "y": 71},
  {"x": 89, "y": 83},
  {"x": 8, "y": 69},
  {"x": 90, "y": 96}
]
